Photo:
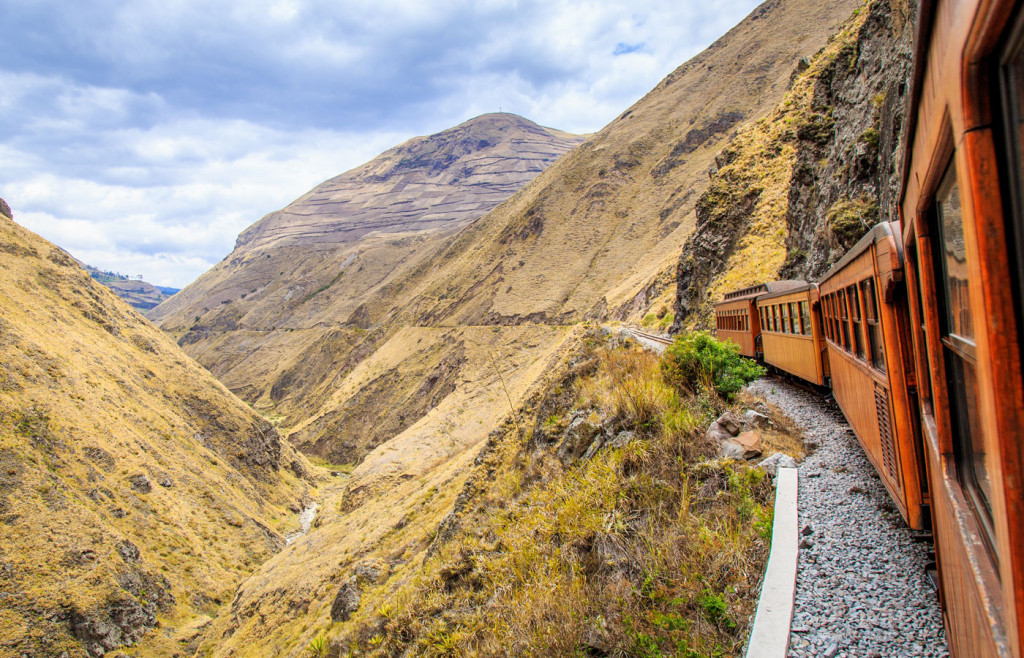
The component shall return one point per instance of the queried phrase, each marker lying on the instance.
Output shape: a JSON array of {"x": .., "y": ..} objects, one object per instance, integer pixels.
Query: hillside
[
  {"x": 136, "y": 491},
  {"x": 407, "y": 378},
  {"x": 139, "y": 294},
  {"x": 596, "y": 235}
]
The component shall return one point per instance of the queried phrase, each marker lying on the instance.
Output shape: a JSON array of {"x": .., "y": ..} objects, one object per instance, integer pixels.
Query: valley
[{"x": 408, "y": 393}]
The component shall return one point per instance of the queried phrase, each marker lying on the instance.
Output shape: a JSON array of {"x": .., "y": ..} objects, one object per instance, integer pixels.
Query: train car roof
[
  {"x": 780, "y": 293},
  {"x": 762, "y": 289},
  {"x": 876, "y": 234}
]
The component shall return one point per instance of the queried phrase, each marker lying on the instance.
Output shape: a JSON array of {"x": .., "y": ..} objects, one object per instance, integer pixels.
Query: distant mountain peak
[{"x": 439, "y": 181}]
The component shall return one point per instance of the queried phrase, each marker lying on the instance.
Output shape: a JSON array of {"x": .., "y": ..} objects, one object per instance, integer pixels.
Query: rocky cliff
[
  {"x": 790, "y": 195},
  {"x": 136, "y": 491}
]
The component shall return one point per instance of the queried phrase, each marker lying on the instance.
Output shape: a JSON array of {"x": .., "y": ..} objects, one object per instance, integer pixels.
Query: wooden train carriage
[
  {"x": 864, "y": 313},
  {"x": 791, "y": 333},
  {"x": 962, "y": 205},
  {"x": 736, "y": 316}
]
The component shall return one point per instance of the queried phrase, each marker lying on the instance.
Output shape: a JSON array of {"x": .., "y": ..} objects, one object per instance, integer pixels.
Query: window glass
[
  {"x": 794, "y": 318},
  {"x": 874, "y": 328},
  {"x": 837, "y": 335},
  {"x": 958, "y": 348},
  {"x": 805, "y": 318},
  {"x": 853, "y": 298},
  {"x": 844, "y": 315},
  {"x": 1013, "y": 111},
  {"x": 785, "y": 318},
  {"x": 775, "y": 317}
]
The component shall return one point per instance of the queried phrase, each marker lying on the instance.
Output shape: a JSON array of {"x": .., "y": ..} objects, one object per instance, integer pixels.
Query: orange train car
[
  {"x": 736, "y": 315},
  {"x": 792, "y": 335},
  {"x": 866, "y": 328},
  {"x": 962, "y": 209}
]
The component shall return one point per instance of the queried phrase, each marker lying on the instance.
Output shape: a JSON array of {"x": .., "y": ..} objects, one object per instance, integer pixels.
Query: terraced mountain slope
[
  {"x": 409, "y": 376},
  {"x": 136, "y": 491},
  {"x": 307, "y": 270}
]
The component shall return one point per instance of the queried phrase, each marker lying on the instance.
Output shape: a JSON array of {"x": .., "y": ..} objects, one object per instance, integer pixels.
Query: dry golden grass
[{"x": 91, "y": 396}]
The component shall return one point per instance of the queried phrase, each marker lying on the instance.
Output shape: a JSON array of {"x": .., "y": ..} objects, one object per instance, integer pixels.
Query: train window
[
  {"x": 875, "y": 350},
  {"x": 837, "y": 335},
  {"x": 855, "y": 324},
  {"x": 1012, "y": 70},
  {"x": 958, "y": 348},
  {"x": 844, "y": 316},
  {"x": 826, "y": 316},
  {"x": 794, "y": 318},
  {"x": 785, "y": 318},
  {"x": 775, "y": 317},
  {"x": 805, "y": 318}
]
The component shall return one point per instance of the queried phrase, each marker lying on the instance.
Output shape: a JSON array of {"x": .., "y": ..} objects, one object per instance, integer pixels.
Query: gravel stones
[{"x": 861, "y": 585}]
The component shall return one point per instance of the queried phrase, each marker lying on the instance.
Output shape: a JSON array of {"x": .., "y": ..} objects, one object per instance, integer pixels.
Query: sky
[{"x": 143, "y": 136}]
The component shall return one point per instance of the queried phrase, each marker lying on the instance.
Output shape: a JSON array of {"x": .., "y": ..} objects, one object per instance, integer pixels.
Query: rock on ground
[{"x": 861, "y": 585}]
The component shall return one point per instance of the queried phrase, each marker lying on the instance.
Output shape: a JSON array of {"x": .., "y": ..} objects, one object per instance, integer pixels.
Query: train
[{"x": 918, "y": 330}]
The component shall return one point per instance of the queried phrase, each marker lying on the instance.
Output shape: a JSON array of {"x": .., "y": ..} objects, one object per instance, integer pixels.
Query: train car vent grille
[{"x": 885, "y": 433}]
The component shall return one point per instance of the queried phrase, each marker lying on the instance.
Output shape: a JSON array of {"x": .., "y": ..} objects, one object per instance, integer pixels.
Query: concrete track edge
[{"x": 769, "y": 635}]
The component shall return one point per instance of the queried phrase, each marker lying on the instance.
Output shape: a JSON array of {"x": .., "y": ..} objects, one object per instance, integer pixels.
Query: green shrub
[{"x": 698, "y": 361}]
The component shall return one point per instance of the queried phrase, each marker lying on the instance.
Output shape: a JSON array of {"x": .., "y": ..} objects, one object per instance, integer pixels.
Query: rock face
[
  {"x": 5, "y": 209},
  {"x": 788, "y": 197},
  {"x": 844, "y": 185}
]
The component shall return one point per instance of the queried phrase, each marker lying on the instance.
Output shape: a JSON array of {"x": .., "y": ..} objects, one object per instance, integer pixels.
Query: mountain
[
  {"x": 139, "y": 294},
  {"x": 300, "y": 278},
  {"x": 408, "y": 369},
  {"x": 136, "y": 492}
]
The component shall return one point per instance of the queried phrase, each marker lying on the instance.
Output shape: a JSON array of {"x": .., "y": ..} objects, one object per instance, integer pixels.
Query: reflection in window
[
  {"x": 959, "y": 349},
  {"x": 805, "y": 318}
]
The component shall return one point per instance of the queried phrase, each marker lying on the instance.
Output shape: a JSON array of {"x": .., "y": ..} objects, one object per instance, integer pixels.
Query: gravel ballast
[{"x": 861, "y": 585}]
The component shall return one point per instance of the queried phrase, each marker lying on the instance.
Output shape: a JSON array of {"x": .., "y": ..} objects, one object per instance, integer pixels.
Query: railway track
[{"x": 654, "y": 338}]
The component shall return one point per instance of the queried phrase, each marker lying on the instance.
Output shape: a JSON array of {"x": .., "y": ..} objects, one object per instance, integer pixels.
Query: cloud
[{"x": 147, "y": 134}]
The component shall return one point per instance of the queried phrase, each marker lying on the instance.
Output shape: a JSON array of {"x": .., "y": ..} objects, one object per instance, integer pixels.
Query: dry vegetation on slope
[
  {"x": 134, "y": 488},
  {"x": 596, "y": 523}
]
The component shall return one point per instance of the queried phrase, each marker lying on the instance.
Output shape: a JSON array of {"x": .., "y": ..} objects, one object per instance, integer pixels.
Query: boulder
[
  {"x": 730, "y": 423},
  {"x": 141, "y": 483},
  {"x": 752, "y": 419},
  {"x": 778, "y": 460},
  {"x": 746, "y": 445},
  {"x": 718, "y": 433},
  {"x": 347, "y": 601}
]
